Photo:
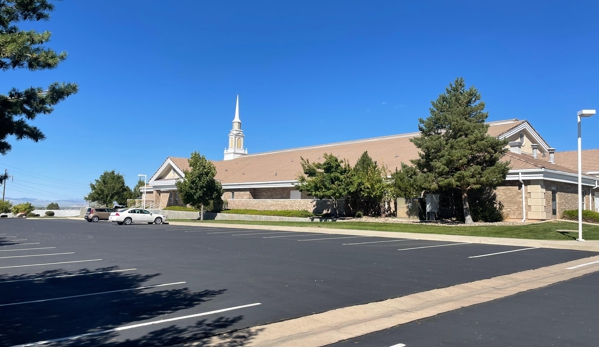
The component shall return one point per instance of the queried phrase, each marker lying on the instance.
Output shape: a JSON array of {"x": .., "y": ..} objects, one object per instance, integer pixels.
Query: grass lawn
[{"x": 537, "y": 231}]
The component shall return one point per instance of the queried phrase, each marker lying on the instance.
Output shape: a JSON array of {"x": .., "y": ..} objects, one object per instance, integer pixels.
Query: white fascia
[
  {"x": 548, "y": 175},
  {"x": 268, "y": 184},
  {"x": 163, "y": 167},
  {"x": 530, "y": 130}
]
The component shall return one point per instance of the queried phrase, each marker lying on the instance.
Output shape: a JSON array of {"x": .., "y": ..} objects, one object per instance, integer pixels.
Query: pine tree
[
  {"x": 22, "y": 50},
  {"x": 368, "y": 186},
  {"x": 199, "y": 188},
  {"x": 455, "y": 149}
]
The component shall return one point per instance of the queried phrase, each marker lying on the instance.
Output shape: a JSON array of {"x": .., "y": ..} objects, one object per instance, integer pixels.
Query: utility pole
[{"x": 4, "y": 179}]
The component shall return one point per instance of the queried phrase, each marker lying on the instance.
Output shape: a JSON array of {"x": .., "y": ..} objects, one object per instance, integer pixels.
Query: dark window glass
[{"x": 554, "y": 202}]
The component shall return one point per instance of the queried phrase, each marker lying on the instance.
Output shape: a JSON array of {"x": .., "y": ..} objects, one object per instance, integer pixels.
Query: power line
[{"x": 48, "y": 178}]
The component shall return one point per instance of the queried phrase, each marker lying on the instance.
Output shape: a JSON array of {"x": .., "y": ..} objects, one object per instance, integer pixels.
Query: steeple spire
[
  {"x": 237, "y": 111},
  {"x": 236, "y": 137}
]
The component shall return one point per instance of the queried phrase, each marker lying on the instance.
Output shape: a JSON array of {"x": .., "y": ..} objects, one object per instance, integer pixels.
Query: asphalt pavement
[{"x": 77, "y": 283}]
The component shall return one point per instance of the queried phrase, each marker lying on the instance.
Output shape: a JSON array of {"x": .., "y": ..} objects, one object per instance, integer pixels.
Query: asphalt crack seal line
[{"x": 345, "y": 323}]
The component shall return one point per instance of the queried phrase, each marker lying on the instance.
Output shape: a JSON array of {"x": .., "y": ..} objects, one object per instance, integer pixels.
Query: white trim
[
  {"x": 549, "y": 175},
  {"x": 268, "y": 184},
  {"x": 167, "y": 162},
  {"x": 526, "y": 126}
]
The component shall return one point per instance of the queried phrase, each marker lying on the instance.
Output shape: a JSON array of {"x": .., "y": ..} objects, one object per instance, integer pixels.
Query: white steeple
[{"x": 235, "y": 138}]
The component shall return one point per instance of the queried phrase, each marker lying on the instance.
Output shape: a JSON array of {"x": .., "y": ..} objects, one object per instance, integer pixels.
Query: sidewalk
[{"x": 591, "y": 246}]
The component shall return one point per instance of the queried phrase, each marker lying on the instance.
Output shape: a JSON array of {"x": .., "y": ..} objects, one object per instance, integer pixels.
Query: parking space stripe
[
  {"x": 91, "y": 294},
  {"x": 334, "y": 238},
  {"x": 19, "y": 240},
  {"x": 61, "y": 262},
  {"x": 25, "y": 249},
  {"x": 66, "y": 276},
  {"x": 491, "y": 254},
  {"x": 36, "y": 255},
  {"x": 444, "y": 245},
  {"x": 235, "y": 231},
  {"x": 582, "y": 265},
  {"x": 365, "y": 243},
  {"x": 269, "y": 233},
  {"x": 280, "y": 236},
  {"x": 133, "y": 326}
]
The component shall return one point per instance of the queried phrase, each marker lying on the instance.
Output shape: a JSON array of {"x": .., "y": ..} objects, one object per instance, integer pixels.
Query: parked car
[
  {"x": 136, "y": 215},
  {"x": 94, "y": 214}
]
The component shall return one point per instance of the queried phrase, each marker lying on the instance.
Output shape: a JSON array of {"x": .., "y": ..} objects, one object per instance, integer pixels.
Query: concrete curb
[
  {"x": 333, "y": 326},
  {"x": 591, "y": 246}
]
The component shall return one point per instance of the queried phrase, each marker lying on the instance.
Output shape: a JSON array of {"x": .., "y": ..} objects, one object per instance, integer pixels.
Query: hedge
[
  {"x": 587, "y": 215},
  {"x": 279, "y": 213}
]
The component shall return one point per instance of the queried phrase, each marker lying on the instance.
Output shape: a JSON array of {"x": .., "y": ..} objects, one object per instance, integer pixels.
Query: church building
[{"x": 540, "y": 185}]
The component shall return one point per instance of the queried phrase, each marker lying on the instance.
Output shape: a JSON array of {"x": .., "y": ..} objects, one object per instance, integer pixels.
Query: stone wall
[
  {"x": 315, "y": 206},
  {"x": 239, "y": 194},
  {"x": 567, "y": 196},
  {"x": 535, "y": 200}
]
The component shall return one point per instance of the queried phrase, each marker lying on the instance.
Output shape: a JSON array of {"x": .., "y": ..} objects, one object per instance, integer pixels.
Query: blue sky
[{"x": 159, "y": 78}]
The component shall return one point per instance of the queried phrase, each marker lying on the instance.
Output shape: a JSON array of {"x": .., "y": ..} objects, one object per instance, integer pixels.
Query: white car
[{"x": 136, "y": 215}]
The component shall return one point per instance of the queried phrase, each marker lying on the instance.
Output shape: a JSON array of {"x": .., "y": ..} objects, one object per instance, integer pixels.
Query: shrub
[
  {"x": 279, "y": 213},
  {"x": 49, "y": 213},
  {"x": 5, "y": 206},
  {"x": 587, "y": 215},
  {"x": 359, "y": 214},
  {"x": 31, "y": 214},
  {"x": 23, "y": 208}
]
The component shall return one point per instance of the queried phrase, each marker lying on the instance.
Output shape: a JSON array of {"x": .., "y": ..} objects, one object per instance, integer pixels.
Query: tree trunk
[
  {"x": 467, "y": 216},
  {"x": 202, "y": 212},
  {"x": 336, "y": 214}
]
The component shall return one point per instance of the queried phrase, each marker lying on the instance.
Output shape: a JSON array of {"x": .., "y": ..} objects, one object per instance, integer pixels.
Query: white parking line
[
  {"x": 444, "y": 245},
  {"x": 334, "y": 238},
  {"x": 364, "y": 243},
  {"x": 91, "y": 294},
  {"x": 36, "y": 255},
  {"x": 490, "y": 254},
  {"x": 270, "y": 233},
  {"x": 133, "y": 326},
  {"x": 19, "y": 240},
  {"x": 62, "y": 262},
  {"x": 581, "y": 265},
  {"x": 231, "y": 232},
  {"x": 66, "y": 276},
  {"x": 25, "y": 249},
  {"x": 295, "y": 235},
  {"x": 399, "y": 345}
]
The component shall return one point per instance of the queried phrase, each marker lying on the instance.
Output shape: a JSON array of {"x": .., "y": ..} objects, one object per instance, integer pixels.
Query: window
[
  {"x": 554, "y": 202},
  {"x": 232, "y": 195}
]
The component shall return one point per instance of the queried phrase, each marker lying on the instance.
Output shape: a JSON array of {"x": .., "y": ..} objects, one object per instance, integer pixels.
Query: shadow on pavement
[{"x": 48, "y": 320}]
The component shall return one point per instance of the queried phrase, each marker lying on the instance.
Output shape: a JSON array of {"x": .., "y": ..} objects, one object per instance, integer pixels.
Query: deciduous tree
[
  {"x": 199, "y": 187},
  {"x": 53, "y": 206},
  {"x": 21, "y": 49},
  {"x": 107, "y": 189},
  {"x": 368, "y": 185},
  {"x": 455, "y": 148}
]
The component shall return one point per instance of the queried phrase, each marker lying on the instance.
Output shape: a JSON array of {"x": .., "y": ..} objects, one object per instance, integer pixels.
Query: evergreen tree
[
  {"x": 368, "y": 186},
  {"x": 22, "y": 49},
  {"x": 136, "y": 192},
  {"x": 199, "y": 188},
  {"x": 455, "y": 149},
  {"x": 110, "y": 187},
  {"x": 53, "y": 206},
  {"x": 327, "y": 180}
]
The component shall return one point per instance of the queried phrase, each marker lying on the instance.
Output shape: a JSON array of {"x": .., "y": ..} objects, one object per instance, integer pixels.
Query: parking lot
[{"x": 68, "y": 282}]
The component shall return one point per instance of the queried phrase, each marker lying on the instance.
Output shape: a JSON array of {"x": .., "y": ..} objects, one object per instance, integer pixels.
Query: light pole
[
  {"x": 144, "y": 194},
  {"x": 581, "y": 113}
]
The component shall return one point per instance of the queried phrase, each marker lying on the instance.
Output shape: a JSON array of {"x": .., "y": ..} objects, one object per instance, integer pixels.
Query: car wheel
[
  {"x": 158, "y": 220},
  {"x": 119, "y": 223},
  {"x": 95, "y": 219},
  {"x": 127, "y": 221}
]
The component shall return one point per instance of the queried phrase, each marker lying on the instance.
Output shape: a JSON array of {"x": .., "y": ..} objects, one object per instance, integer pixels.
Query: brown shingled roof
[
  {"x": 284, "y": 165},
  {"x": 525, "y": 161},
  {"x": 590, "y": 160}
]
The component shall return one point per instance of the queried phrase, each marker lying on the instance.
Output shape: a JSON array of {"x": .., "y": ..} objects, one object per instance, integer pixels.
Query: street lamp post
[
  {"x": 581, "y": 113},
  {"x": 144, "y": 194}
]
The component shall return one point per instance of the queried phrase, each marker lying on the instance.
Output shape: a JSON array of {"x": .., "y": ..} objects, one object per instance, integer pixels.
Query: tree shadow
[
  {"x": 97, "y": 315},
  {"x": 5, "y": 241}
]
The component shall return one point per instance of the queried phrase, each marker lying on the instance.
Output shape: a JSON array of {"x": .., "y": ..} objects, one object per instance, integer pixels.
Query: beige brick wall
[
  {"x": 316, "y": 206},
  {"x": 510, "y": 196},
  {"x": 567, "y": 196},
  {"x": 535, "y": 200},
  {"x": 239, "y": 194}
]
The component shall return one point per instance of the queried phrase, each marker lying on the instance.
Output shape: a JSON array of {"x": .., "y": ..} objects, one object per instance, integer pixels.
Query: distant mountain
[{"x": 44, "y": 203}]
